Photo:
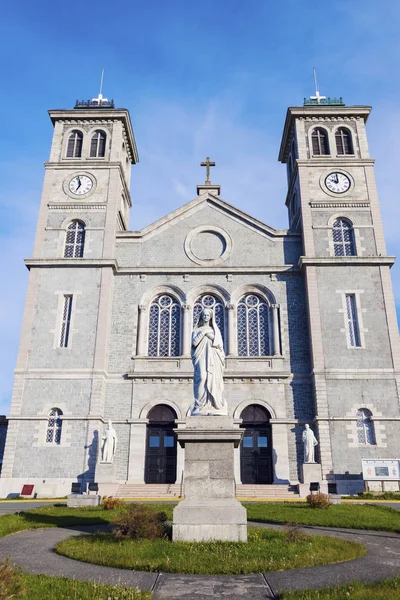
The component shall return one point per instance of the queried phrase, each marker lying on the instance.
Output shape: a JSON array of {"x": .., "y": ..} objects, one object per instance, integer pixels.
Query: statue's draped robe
[
  {"x": 109, "y": 445},
  {"x": 208, "y": 359},
  {"x": 309, "y": 443}
]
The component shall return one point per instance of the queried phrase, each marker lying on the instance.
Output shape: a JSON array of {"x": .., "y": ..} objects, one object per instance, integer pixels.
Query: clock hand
[{"x": 79, "y": 183}]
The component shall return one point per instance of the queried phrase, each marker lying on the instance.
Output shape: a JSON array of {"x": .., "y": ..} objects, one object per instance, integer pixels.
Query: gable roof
[{"x": 195, "y": 205}]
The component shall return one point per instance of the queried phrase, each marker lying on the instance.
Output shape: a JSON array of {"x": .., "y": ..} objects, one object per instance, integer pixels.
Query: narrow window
[
  {"x": 164, "y": 327},
  {"x": 66, "y": 321},
  {"x": 75, "y": 240},
  {"x": 74, "y": 147},
  {"x": 344, "y": 144},
  {"x": 98, "y": 144},
  {"x": 252, "y": 326},
  {"x": 365, "y": 427},
  {"x": 216, "y": 305},
  {"x": 54, "y": 427},
  {"x": 343, "y": 238},
  {"x": 320, "y": 144},
  {"x": 352, "y": 321}
]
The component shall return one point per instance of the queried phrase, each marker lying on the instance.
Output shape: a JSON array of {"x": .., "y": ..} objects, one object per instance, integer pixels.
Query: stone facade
[{"x": 311, "y": 372}]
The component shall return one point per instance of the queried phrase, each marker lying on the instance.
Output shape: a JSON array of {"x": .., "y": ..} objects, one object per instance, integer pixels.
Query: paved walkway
[{"x": 34, "y": 551}]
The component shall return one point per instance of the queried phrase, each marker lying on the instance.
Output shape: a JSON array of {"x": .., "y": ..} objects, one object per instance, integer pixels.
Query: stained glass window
[
  {"x": 74, "y": 147},
  {"x": 54, "y": 427},
  {"x": 164, "y": 327},
  {"x": 365, "y": 427},
  {"x": 213, "y": 302},
  {"x": 343, "y": 238},
  {"x": 75, "y": 240},
  {"x": 252, "y": 326}
]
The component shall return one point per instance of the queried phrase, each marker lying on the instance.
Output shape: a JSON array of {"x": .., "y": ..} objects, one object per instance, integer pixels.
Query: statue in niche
[
  {"x": 208, "y": 358},
  {"x": 109, "y": 444},
  {"x": 309, "y": 441}
]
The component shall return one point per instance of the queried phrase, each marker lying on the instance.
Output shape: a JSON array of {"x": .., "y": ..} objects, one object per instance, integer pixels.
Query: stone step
[{"x": 153, "y": 490}]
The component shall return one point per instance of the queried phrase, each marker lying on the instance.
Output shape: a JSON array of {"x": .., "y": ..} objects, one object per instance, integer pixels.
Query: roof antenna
[
  {"x": 99, "y": 100},
  {"x": 317, "y": 96}
]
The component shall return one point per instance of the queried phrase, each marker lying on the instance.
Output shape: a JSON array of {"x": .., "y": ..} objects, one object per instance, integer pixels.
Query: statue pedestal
[
  {"x": 106, "y": 477},
  {"x": 310, "y": 473},
  {"x": 210, "y": 509}
]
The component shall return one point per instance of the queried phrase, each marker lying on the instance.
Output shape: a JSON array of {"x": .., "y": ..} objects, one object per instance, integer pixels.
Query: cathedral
[{"x": 306, "y": 314}]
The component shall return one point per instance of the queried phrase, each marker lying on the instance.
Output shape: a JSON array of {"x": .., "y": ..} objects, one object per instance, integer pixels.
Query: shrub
[
  {"x": 139, "y": 522},
  {"x": 11, "y": 582},
  {"x": 109, "y": 503},
  {"x": 318, "y": 500},
  {"x": 293, "y": 533}
]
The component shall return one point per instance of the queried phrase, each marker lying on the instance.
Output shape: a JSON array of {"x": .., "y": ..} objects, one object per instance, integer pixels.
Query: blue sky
[{"x": 209, "y": 78}]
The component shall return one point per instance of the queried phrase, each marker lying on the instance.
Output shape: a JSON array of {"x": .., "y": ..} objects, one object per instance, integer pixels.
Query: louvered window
[
  {"x": 164, "y": 327},
  {"x": 54, "y": 427},
  {"x": 344, "y": 143},
  {"x": 74, "y": 147},
  {"x": 365, "y": 427},
  {"x": 98, "y": 144},
  {"x": 66, "y": 321},
  {"x": 75, "y": 240},
  {"x": 252, "y": 326},
  {"x": 320, "y": 144},
  {"x": 343, "y": 238}
]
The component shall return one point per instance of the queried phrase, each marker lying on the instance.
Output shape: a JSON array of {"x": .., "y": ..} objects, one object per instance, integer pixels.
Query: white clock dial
[
  {"x": 337, "y": 183},
  {"x": 80, "y": 185}
]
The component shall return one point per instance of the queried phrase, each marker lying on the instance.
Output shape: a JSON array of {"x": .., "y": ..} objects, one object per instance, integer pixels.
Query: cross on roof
[
  {"x": 207, "y": 164},
  {"x": 317, "y": 96}
]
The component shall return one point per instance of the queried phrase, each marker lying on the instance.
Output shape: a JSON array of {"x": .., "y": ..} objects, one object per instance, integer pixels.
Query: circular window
[{"x": 208, "y": 245}]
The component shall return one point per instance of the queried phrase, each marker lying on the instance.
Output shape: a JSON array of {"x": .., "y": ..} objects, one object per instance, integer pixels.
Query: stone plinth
[
  {"x": 210, "y": 509},
  {"x": 80, "y": 500},
  {"x": 311, "y": 472},
  {"x": 105, "y": 472}
]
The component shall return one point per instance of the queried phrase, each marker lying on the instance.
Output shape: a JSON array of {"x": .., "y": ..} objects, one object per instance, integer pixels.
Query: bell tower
[{"x": 332, "y": 199}]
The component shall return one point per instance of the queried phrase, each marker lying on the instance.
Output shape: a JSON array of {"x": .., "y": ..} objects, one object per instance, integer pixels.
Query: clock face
[
  {"x": 80, "y": 185},
  {"x": 337, "y": 183}
]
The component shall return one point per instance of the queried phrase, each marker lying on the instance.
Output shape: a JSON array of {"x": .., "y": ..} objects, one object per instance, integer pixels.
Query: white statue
[
  {"x": 109, "y": 444},
  {"x": 208, "y": 360},
  {"x": 309, "y": 441}
]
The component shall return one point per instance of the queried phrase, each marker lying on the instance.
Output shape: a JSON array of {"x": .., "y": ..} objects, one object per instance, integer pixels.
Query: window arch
[
  {"x": 252, "y": 326},
  {"x": 75, "y": 240},
  {"x": 98, "y": 144},
  {"x": 343, "y": 238},
  {"x": 54, "y": 427},
  {"x": 344, "y": 142},
  {"x": 216, "y": 305},
  {"x": 365, "y": 427},
  {"x": 320, "y": 143},
  {"x": 74, "y": 146},
  {"x": 164, "y": 326}
]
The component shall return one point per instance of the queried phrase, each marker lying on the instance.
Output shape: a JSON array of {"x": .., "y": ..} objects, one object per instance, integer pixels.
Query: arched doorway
[
  {"x": 160, "y": 464},
  {"x": 256, "y": 446}
]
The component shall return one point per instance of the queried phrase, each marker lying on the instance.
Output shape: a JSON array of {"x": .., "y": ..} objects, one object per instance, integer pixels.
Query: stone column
[
  {"x": 137, "y": 451},
  {"x": 232, "y": 343},
  {"x": 275, "y": 329},
  {"x": 186, "y": 329},
  {"x": 280, "y": 452},
  {"x": 140, "y": 350}
]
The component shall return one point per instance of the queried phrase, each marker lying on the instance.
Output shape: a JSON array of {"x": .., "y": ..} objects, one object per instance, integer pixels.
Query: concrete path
[{"x": 34, "y": 551}]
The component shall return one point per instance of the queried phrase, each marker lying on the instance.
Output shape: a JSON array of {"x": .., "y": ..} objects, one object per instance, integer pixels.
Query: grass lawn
[
  {"x": 266, "y": 550},
  {"x": 353, "y": 516},
  {"x": 384, "y": 590},
  {"x": 14, "y": 584}
]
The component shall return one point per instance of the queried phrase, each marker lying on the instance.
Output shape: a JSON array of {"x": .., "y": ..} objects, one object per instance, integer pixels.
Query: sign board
[
  {"x": 381, "y": 469},
  {"x": 27, "y": 490}
]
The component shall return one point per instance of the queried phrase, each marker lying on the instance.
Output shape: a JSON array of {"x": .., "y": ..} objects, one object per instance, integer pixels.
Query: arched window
[
  {"x": 98, "y": 144},
  {"x": 74, "y": 147},
  {"x": 365, "y": 427},
  {"x": 54, "y": 426},
  {"x": 344, "y": 143},
  {"x": 343, "y": 238},
  {"x": 320, "y": 144},
  {"x": 164, "y": 327},
  {"x": 75, "y": 240},
  {"x": 217, "y": 306},
  {"x": 252, "y": 326}
]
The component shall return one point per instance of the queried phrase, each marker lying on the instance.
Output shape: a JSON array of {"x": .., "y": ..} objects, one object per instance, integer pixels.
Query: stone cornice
[
  {"x": 324, "y": 261},
  {"x": 76, "y": 263}
]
